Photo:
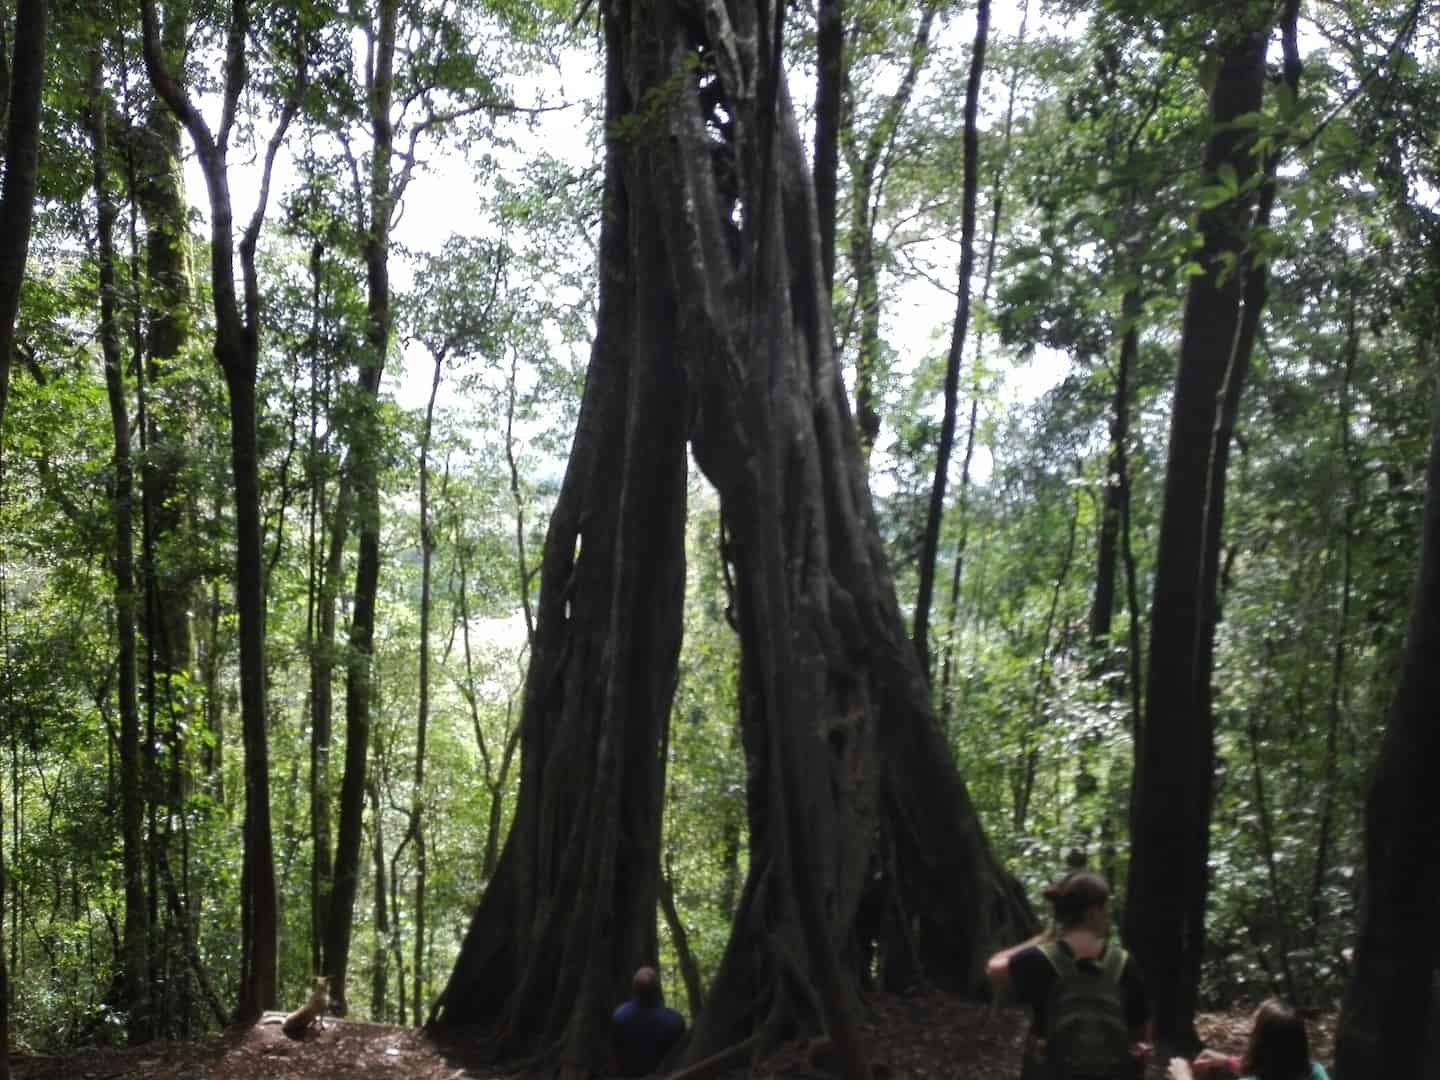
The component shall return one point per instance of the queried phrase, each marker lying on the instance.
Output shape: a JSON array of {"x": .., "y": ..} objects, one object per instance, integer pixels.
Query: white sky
[{"x": 443, "y": 201}]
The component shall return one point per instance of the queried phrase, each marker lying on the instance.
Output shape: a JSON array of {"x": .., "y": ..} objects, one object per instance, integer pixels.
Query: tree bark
[
  {"x": 840, "y": 740},
  {"x": 930, "y": 543},
  {"x": 379, "y": 972},
  {"x": 22, "y": 168},
  {"x": 365, "y": 458},
  {"x": 422, "y": 721},
  {"x": 962, "y": 501},
  {"x": 137, "y": 908},
  {"x": 17, "y": 210},
  {"x": 1386, "y": 1012},
  {"x": 570, "y": 910},
  {"x": 1102, "y": 608},
  {"x": 1173, "y": 788}
]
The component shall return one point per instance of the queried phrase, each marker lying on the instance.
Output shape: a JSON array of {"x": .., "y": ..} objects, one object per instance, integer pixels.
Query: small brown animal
[{"x": 312, "y": 1013}]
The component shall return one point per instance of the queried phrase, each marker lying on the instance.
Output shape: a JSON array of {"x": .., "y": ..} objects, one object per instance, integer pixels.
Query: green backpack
[{"x": 1086, "y": 1034}]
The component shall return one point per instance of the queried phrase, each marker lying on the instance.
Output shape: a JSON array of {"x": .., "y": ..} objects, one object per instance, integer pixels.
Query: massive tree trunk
[
  {"x": 828, "y": 675},
  {"x": 137, "y": 908},
  {"x": 237, "y": 349},
  {"x": 570, "y": 910},
  {"x": 1386, "y": 1014},
  {"x": 1174, "y": 760}
]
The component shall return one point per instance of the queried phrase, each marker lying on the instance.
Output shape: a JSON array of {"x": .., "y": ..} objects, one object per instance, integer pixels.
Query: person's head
[
  {"x": 645, "y": 988},
  {"x": 1081, "y": 899},
  {"x": 1279, "y": 1049}
]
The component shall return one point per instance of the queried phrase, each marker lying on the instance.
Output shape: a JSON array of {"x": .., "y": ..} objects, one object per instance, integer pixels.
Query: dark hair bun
[{"x": 1076, "y": 893}]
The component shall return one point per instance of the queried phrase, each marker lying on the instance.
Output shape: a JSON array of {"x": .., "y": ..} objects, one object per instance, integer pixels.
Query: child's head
[
  {"x": 1279, "y": 1048},
  {"x": 1080, "y": 896}
]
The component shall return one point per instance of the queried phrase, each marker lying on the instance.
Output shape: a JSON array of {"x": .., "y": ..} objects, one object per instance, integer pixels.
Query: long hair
[{"x": 1279, "y": 1048}]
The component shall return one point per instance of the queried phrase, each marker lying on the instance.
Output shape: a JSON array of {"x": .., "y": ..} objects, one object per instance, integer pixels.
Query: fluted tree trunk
[
  {"x": 849, "y": 777},
  {"x": 570, "y": 909}
]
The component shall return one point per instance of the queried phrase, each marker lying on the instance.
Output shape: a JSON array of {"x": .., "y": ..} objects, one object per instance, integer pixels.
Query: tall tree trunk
[
  {"x": 1386, "y": 1013},
  {"x": 827, "y": 673},
  {"x": 237, "y": 349},
  {"x": 417, "y": 808},
  {"x": 930, "y": 544},
  {"x": 379, "y": 971},
  {"x": 1174, "y": 761},
  {"x": 1352, "y": 497},
  {"x": 22, "y": 167},
  {"x": 169, "y": 317},
  {"x": 365, "y": 456},
  {"x": 962, "y": 500},
  {"x": 137, "y": 908},
  {"x": 1102, "y": 608},
  {"x": 570, "y": 910},
  {"x": 318, "y": 648},
  {"x": 17, "y": 211}
]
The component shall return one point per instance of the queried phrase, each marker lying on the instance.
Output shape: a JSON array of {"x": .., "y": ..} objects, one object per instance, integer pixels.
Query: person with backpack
[
  {"x": 1279, "y": 1049},
  {"x": 1084, "y": 991}
]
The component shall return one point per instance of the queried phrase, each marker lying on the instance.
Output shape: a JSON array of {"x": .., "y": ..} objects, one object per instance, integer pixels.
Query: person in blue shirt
[{"x": 643, "y": 1030}]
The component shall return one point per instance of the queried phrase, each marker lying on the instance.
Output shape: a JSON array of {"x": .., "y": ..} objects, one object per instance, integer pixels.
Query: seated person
[
  {"x": 643, "y": 1030},
  {"x": 1091, "y": 985},
  {"x": 1279, "y": 1049}
]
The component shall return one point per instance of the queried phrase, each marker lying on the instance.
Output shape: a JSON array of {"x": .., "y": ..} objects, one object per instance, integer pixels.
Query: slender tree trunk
[
  {"x": 1386, "y": 1015},
  {"x": 962, "y": 501},
  {"x": 1168, "y": 885},
  {"x": 1102, "y": 609},
  {"x": 417, "y": 809},
  {"x": 318, "y": 649},
  {"x": 379, "y": 972},
  {"x": 930, "y": 544},
  {"x": 237, "y": 349},
  {"x": 365, "y": 458},
  {"x": 137, "y": 908},
  {"x": 17, "y": 208},
  {"x": 680, "y": 939},
  {"x": 1337, "y": 704},
  {"x": 169, "y": 317}
]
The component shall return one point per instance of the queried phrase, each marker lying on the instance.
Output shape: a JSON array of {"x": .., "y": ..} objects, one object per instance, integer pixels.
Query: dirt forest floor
[{"x": 921, "y": 1037}]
